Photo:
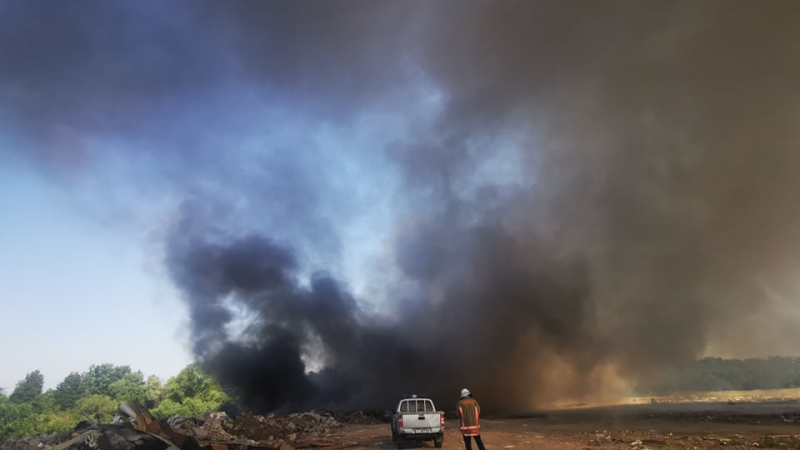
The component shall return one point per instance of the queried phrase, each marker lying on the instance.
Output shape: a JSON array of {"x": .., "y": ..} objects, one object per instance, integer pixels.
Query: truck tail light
[
  {"x": 400, "y": 421},
  {"x": 441, "y": 420}
]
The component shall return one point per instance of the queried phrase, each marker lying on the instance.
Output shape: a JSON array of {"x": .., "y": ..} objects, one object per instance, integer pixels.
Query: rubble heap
[
  {"x": 88, "y": 436},
  {"x": 214, "y": 424},
  {"x": 367, "y": 418},
  {"x": 275, "y": 428},
  {"x": 134, "y": 428}
]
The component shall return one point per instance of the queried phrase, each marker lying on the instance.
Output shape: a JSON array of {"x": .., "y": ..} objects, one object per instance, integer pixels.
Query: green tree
[
  {"x": 98, "y": 379},
  {"x": 153, "y": 391},
  {"x": 45, "y": 403},
  {"x": 29, "y": 388},
  {"x": 99, "y": 407},
  {"x": 130, "y": 387},
  {"x": 69, "y": 390},
  {"x": 192, "y": 383},
  {"x": 16, "y": 420},
  {"x": 191, "y": 407},
  {"x": 190, "y": 393},
  {"x": 22, "y": 420}
]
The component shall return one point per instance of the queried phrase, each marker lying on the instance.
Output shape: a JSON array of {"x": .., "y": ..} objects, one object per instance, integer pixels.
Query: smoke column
[{"x": 595, "y": 192}]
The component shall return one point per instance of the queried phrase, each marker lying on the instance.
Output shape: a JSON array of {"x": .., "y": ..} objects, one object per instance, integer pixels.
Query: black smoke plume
[{"x": 597, "y": 192}]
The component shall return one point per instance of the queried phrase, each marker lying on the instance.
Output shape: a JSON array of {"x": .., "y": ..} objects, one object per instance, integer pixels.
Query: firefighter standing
[{"x": 469, "y": 411}]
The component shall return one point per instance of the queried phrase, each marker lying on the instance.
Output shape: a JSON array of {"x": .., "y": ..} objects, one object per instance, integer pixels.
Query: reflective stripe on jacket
[{"x": 469, "y": 411}]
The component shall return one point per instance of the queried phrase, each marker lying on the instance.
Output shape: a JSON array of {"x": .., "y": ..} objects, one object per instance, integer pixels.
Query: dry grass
[{"x": 757, "y": 395}]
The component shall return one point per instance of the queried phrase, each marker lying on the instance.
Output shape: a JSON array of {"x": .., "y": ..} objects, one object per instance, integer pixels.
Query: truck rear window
[{"x": 416, "y": 406}]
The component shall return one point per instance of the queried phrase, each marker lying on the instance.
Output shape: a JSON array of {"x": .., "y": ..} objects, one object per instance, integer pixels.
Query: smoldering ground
[{"x": 594, "y": 191}]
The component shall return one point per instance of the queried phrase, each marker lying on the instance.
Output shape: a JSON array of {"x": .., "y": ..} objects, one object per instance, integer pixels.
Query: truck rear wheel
[{"x": 438, "y": 442}]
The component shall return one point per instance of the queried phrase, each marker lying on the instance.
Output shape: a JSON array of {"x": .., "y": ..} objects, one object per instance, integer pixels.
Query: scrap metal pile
[{"x": 134, "y": 428}]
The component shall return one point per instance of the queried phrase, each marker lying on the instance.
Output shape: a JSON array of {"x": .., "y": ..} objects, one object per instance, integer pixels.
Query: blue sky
[{"x": 76, "y": 291}]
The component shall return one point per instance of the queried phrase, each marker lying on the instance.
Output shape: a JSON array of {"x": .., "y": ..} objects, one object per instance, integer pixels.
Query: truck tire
[{"x": 438, "y": 442}]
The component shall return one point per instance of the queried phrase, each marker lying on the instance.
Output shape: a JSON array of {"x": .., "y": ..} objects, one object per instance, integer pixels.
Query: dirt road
[{"x": 690, "y": 426}]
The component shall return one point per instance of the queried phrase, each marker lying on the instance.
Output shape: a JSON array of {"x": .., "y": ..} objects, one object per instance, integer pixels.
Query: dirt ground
[{"x": 684, "y": 425}]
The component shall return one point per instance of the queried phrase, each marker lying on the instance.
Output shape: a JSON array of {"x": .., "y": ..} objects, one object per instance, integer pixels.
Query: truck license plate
[{"x": 422, "y": 430}]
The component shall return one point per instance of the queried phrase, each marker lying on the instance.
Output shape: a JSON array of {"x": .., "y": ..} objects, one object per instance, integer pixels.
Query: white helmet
[{"x": 465, "y": 393}]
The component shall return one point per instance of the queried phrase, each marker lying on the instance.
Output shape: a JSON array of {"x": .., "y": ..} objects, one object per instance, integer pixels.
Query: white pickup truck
[{"x": 416, "y": 419}]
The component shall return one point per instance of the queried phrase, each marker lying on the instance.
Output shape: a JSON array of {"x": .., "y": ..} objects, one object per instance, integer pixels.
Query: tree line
[
  {"x": 29, "y": 410},
  {"x": 718, "y": 374}
]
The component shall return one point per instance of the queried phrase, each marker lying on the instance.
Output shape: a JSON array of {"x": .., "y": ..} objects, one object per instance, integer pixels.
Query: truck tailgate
[{"x": 421, "y": 423}]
